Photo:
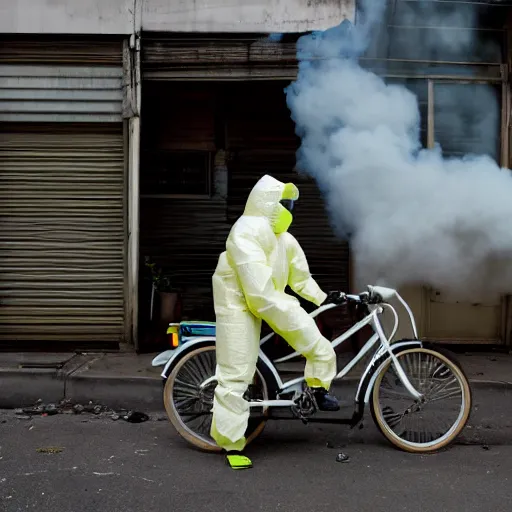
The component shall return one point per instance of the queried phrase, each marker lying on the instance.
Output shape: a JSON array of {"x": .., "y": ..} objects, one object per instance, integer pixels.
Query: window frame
[{"x": 209, "y": 175}]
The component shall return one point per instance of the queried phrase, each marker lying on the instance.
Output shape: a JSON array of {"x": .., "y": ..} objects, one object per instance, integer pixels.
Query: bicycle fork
[{"x": 398, "y": 367}]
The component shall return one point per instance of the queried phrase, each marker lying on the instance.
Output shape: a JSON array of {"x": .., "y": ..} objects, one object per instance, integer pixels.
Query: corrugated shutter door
[
  {"x": 61, "y": 81},
  {"x": 61, "y": 234}
]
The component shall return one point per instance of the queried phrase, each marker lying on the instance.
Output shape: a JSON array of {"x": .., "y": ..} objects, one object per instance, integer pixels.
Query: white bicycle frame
[{"x": 295, "y": 385}]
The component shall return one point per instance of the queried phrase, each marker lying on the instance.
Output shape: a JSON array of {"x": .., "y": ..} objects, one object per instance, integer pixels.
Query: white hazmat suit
[{"x": 249, "y": 283}]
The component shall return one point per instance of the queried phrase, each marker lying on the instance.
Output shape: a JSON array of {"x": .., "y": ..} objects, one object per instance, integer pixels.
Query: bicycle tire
[
  {"x": 449, "y": 361},
  {"x": 204, "y": 443}
]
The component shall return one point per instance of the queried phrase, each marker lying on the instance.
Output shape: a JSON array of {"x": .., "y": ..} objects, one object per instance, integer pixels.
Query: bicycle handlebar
[{"x": 374, "y": 295}]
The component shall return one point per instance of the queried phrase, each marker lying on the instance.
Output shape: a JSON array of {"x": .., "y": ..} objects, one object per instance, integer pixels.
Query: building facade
[
  {"x": 83, "y": 201},
  {"x": 134, "y": 129}
]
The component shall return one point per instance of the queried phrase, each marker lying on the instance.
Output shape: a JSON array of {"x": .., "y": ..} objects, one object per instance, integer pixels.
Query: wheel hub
[{"x": 206, "y": 394}]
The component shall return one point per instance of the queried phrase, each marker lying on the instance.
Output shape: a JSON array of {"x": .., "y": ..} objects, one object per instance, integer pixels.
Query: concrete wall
[
  {"x": 244, "y": 15},
  {"x": 66, "y": 16},
  {"x": 126, "y": 16}
]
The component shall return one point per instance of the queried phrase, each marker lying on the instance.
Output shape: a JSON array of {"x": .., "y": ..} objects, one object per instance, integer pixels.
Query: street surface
[{"x": 88, "y": 463}]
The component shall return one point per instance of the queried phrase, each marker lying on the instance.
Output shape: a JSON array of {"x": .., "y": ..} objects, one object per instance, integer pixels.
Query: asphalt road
[{"x": 104, "y": 465}]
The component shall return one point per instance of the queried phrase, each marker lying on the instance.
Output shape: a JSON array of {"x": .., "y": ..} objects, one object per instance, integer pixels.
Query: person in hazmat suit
[{"x": 260, "y": 260}]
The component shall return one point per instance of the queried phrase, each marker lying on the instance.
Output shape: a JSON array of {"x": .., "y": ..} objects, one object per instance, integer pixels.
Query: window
[
  {"x": 467, "y": 119},
  {"x": 420, "y": 89},
  {"x": 442, "y": 31},
  {"x": 180, "y": 173}
]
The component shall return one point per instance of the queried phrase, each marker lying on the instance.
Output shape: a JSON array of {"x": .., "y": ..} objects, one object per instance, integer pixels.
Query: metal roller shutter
[
  {"x": 62, "y": 234},
  {"x": 218, "y": 58},
  {"x": 61, "y": 81}
]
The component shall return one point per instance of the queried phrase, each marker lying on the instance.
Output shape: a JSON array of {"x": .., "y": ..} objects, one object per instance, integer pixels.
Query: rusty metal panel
[
  {"x": 250, "y": 58},
  {"x": 62, "y": 235},
  {"x": 41, "y": 81},
  {"x": 226, "y": 58},
  {"x": 64, "y": 51}
]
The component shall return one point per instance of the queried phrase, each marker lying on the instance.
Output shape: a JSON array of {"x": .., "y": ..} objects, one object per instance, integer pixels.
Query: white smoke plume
[{"x": 412, "y": 216}]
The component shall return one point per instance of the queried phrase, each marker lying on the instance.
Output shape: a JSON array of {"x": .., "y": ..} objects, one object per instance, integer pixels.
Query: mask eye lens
[{"x": 288, "y": 204}]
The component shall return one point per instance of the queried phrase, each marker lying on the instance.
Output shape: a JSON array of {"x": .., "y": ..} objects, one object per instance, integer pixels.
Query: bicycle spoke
[
  {"x": 193, "y": 402},
  {"x": 194, "y": 373},
  {"x": 184, "y": 403},
  {"x": 424, "y": 421},
  {"x": 454, "y": 393},
  {"x": 183, "y": 384}
]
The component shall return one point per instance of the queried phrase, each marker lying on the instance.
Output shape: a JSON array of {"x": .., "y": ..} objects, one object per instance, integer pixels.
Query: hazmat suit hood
[{"x": 264, "y": 201}]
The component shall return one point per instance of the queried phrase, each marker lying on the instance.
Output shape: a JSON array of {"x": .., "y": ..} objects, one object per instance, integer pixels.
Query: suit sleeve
[
  {"x": 300, "y": 279},
  {"x": 281, "y": 311}
]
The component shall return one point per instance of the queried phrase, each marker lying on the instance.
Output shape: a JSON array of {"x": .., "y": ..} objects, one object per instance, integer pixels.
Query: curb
[
  {"x": 23, "y": 387},
  {"x": 77, "y": 379}
]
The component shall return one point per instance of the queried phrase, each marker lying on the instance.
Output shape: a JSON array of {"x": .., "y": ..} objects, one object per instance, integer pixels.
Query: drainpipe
[{"x": 133, "y": 98}]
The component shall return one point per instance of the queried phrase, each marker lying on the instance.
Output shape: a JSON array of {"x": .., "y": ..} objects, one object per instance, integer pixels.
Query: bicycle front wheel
[{"x": 429, "y": 424}]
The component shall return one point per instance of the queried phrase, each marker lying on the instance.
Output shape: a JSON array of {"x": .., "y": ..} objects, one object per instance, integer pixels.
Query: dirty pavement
[{"x": 99, "y": 462}]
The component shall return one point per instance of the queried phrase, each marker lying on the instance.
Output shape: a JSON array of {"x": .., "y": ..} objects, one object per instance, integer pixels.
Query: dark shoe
[{"x": 325, "y": 401}]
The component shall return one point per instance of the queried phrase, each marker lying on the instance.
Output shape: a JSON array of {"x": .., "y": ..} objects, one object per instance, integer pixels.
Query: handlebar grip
[
  {"x": 381, "y": 294},
  {"x": 364, "y": 297},
  {"x": 337, "y": 298}
]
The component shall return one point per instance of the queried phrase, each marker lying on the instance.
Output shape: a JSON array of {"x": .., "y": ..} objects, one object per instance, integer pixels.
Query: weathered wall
[
  {"x": 125, "y": 16},
  {"x": 67, "y": 16},
  {"x": 244, "y": 15}
]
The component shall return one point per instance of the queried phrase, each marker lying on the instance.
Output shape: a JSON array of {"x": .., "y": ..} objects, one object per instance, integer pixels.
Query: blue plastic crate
[{"x": 192, "y": 329}]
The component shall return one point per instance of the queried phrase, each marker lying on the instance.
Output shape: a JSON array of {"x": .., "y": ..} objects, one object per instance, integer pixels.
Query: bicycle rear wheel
[
  {"x": 433, "y": 422},
  {"x": 188, "y": 404}
]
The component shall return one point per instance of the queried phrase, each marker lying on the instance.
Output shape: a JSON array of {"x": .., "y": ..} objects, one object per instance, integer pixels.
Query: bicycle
[{"x": 406, "y": 384}]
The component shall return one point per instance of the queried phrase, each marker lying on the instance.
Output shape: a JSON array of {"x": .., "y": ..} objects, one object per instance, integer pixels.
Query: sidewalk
[
  {"x": 121, "y": 380},
  {"x": 125, "y": 380}
]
